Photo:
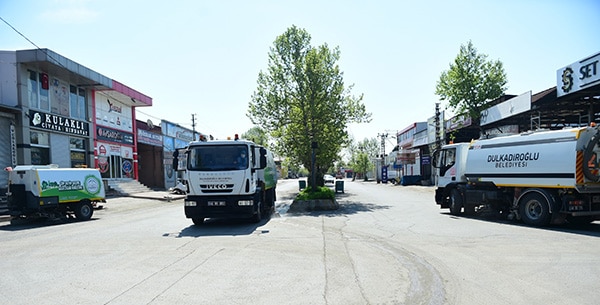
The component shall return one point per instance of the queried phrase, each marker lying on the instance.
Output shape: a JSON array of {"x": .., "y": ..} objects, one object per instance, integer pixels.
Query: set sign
[{"x": 578, "y": 76}]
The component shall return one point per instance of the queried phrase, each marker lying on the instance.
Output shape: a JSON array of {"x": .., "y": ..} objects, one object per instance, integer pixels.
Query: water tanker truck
[
  {"x": 539, "y": 177},
  {"x": 228, "y": 179}
]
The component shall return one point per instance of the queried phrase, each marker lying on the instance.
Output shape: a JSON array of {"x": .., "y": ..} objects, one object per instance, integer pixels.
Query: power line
[
  {"x": 14, "y": 29},
  {"x": 99, "y": 92}
]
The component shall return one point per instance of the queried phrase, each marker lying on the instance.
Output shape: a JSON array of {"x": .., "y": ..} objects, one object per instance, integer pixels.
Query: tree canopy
[
  {"x": 361, "y": 154},
  {"x": 471, "y": 82},
  {"x": 257, "y": 135},
  {"x": 301, "y": 99}
]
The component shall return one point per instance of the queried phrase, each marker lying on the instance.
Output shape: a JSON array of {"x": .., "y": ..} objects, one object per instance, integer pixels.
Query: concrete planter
[{"x": 299, "y": 206}]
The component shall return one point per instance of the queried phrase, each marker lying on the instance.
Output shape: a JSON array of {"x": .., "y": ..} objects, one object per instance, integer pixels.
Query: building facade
[{"x": 56, "y": 111}]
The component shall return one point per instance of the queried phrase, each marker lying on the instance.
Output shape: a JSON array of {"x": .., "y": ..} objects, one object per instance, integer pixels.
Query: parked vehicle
[
  {"x": 228, "y": 179},
  {"x": 328, "y": 179},
  {"x": 539, "y": 177},
  {"x": 49, "y": 191},
  {"x": 180, "y": 188}
]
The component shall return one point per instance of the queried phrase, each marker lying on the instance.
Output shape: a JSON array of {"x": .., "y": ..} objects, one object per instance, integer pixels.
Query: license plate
[{"x": 216, "y": 203}]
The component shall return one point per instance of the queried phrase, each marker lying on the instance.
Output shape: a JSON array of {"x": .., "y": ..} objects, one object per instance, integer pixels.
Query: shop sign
[
  {"x": 113, "y": 135},
  {"x": 578, "y": 76},
  {"x": 149, "y": 138},
  {"x": 178, "y": 132},
  {"x": 458, "y": 122},
  {"x": 511, "y": 107},
  {"x": 13, "y": 145},
  {"x": 59, "y": 123}
]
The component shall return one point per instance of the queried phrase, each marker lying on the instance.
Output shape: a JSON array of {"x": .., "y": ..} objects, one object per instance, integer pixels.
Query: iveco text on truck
[
  {"x": 539, "y": 177},
  {"x": 228, "y": 179}
]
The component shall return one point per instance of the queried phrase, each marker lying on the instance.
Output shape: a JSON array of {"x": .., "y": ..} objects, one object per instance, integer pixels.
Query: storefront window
[
  {"x": 77, "y": 144},
  {"x": 127, "y": 168},
  {"x": 40, "y": 148},
  {"x": 77, "y": 152}
]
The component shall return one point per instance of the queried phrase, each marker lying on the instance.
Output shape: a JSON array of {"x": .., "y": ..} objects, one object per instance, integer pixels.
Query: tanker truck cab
[
  {"x": 229, "y": 179},
  {"x": 540, "y": 177},
  {"x": 450, "y": 163}
]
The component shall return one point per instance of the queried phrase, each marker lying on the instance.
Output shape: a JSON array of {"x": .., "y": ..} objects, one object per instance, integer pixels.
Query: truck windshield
[{"x": 218, "y": 157}]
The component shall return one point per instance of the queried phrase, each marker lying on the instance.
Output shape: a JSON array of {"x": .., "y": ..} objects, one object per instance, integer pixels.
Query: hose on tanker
[{"x": 591, "y": 168}]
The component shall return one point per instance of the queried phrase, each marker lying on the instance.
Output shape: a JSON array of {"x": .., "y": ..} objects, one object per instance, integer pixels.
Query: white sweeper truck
[
  {"x": 48, "y": 191},
  {"x": 227, "y": 179},
  {"x": 539, "y": 177}
]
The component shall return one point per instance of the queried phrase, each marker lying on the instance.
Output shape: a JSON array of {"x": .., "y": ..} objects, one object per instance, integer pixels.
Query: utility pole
[
  {"x": 194, "y": 125},
  {"x": 383, "y": 169},
  {"x": 438, "y": 127}
]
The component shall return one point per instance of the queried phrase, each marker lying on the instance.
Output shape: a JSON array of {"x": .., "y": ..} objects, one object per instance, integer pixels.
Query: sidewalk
[{"x": 154, "y": 195}]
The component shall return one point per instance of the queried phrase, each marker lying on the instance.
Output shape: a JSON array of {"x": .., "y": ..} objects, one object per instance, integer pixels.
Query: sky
[{"x": 202, "y": 58}]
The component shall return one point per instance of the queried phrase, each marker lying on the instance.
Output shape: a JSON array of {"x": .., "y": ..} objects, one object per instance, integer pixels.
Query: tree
[
  {"x": 301, "y": 99},
  {"x": 471, "y": 83},
  {"x": 257, "y": 135},
  {"x": 361, "y": 154}
]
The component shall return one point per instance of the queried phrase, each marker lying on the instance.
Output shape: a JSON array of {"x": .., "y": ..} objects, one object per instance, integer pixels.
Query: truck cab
[
  {"x": 228, "y": 179},
  {"x": 450, "y": 164}
]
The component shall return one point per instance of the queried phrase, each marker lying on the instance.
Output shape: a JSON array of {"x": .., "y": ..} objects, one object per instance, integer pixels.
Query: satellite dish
[{"x": 150, "y": 124}]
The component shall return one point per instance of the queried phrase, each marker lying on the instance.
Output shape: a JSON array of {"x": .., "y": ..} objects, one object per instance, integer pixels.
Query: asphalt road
[{"x": 385, "y": 245}]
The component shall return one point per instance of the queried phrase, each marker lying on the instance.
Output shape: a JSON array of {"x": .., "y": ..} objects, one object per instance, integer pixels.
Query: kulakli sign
[{"x": 55, "y": 122}]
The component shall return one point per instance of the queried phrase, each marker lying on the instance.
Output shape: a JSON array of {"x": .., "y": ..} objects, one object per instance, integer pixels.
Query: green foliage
[
  {"x": 301, "y": 99},
  {"x": 322, "y": 192},
  {"x": 471, "y": 82},
  {"x": 257, "y": 135},
  {"x": 361, "y": 154}
]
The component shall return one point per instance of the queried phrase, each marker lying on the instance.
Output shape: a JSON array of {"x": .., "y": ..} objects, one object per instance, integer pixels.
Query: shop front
[
  {"x": 114, "y": 153},
  {"x": 150, "y": 155},
  {"x": 115, "y": 131},
  {"x": 174, "y": 137}
]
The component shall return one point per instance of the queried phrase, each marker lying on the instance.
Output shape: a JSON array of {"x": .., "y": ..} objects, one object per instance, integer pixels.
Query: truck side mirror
[
  {"x": 435, "y": 158},
  {"x": 263, "y": 158},
  {"x": 176, "y": 159}
]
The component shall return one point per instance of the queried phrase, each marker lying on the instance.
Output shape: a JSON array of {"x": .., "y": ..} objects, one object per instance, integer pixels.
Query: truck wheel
[
  {"x": 84, "y": 210},
  {"x": 456, "y": 202},
  {"x": 534, "y": 209},
  {"x": 198, "y": 221},
  {"x": 258, "y": 216},
  {"x": 271, "y": 206}
]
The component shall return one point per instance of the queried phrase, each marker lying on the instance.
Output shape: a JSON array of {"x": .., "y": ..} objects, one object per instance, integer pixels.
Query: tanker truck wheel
[
  {"x": 456, "y": 202},
  {"x": 534, "y": 209},
  {"x": 83, "y": 210}
]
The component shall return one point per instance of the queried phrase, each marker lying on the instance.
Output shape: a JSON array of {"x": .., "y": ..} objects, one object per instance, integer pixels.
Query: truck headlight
[
  {"x": 245, "y": 202},
  {"x": 190, "y": 203}
]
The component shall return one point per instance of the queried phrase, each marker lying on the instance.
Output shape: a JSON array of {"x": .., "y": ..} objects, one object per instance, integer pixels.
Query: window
[
  {"x": 40, "y": 148},
  {"x": 32, "y": 89},
  {"x": 218, "y": 158},
  {"x": 77, "y": 103},
  {"x": 447, "y": 158},
  {"x": 77, "y": 146},
  {"x": 38, "y": 89}
]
